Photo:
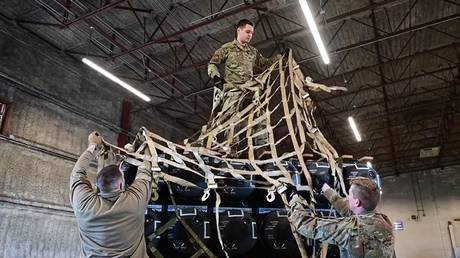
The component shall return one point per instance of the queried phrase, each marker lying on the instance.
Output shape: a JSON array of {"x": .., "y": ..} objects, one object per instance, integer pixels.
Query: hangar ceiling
[{"x": 399, "y": 60}]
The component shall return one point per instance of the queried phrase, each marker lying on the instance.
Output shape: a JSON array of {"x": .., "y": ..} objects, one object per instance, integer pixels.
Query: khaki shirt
[
  {"x": 240, "y": 62},
  {"x": 368, "y": 235},
  {"x": 110, "y": 225}
]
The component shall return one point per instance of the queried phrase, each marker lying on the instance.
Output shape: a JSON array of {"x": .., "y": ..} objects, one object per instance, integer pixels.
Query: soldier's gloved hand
[
  {"x": 218, "y": 82},
  {"x": 95, "y": 139},
  {"x": 325, "y": 187},
  {"x": 321, "y": 177}
]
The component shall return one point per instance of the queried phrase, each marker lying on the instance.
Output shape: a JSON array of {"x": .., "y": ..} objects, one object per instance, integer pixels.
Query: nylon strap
[{"x": 280, "y": 99}]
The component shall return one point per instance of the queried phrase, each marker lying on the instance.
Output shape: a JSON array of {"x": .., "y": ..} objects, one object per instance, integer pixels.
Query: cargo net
[{"x": 267, "y": 123}]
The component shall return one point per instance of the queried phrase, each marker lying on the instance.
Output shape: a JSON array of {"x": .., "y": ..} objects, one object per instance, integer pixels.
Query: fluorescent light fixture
[
  {"x": 115, "y": 79},
  {"x": 354, "y": 128},
  {"x": 314, "y": 30}
]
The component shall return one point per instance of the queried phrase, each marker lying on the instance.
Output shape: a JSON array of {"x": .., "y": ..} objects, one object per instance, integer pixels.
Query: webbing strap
[
  {"x": 297, "y": 237},
  {"x": 198, "y": 253},
  {"x": 161, "y": 229},
  {"x": 219, "y": 235},
  {"x": 249, "y": 137},
  {"x": 157, "y": 233},
  {"x": 324, "y": 248},
  {"x": 153, "y": 252},
  {"x": 187, "y": 227},
  {"x": 280, "y": 99},
  {"x": 295, "y": 143},
  {"x": 273, "y": 151},
  {"x": 208, "y": 174}
]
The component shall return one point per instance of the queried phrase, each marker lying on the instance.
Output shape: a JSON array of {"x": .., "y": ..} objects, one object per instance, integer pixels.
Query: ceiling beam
[
  {"x": 213, "y": 18},
  {"x": 336, "y": 51},
  {"x": 94, "y": 12}
]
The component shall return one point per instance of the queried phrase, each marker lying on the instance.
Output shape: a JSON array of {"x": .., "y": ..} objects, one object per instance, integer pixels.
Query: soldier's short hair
[
  {"x": 243, "y": 23},
  {"x": 367, "y": 191},
  {"x": 108, "y": 179}
]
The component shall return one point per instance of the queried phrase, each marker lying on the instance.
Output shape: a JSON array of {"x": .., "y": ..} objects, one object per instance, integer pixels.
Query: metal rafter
[
  {"x": 123, "y": 47},
  {"x": 93, "y": 13},
  {"x": 414, "y": 131},
  {"x": 333, "y": 52},
  {"x": 193, "y": 27},
  {"x": 379, "y": 102}
]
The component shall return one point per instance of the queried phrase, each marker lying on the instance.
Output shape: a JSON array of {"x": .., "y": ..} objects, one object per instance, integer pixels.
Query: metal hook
[
  {"x": 270, "y": 195},
  {"x": 206, "y": 194},
  {"x": 154, "y": 196}
]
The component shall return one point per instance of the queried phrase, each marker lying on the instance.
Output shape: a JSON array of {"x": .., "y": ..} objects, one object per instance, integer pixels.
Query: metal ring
[
  {"x": 206, "y": 195},
  {"x": 270, "y": 196}
]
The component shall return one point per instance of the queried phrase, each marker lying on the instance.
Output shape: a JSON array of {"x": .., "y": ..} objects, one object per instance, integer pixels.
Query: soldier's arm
[
  {"x": 338, "y": 202},
  {"x": 219, "y": 57},
  {"x": 141, "y": 188},
  {"x": 333, "y": 231},
  {"x": 80, "y": 185},
  {"x": 263, "y": 63}
]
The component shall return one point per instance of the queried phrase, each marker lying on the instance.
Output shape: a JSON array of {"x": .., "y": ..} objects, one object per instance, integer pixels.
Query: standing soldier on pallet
[{"x": 240, "y": 60}]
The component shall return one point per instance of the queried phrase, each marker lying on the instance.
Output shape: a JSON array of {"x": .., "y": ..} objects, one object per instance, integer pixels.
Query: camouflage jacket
[
  {"x": 368, "y": 235},
  {"x": 240, "y": 63}
]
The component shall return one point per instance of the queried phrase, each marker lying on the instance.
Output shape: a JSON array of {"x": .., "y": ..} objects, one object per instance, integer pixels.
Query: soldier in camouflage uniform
[
  {"x": 240, "y": 61},
  {"x": 362, "y": 232}
]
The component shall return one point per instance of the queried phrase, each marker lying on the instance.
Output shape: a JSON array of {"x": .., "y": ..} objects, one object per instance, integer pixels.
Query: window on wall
[{"x": 3, "y": 106}]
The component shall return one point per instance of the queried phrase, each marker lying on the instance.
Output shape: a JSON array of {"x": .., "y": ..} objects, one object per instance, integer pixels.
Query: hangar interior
[{"x": 398, "y": 59}]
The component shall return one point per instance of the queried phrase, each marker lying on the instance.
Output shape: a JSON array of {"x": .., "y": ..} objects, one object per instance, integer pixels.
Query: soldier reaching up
[{"x": 362, "y": 232}]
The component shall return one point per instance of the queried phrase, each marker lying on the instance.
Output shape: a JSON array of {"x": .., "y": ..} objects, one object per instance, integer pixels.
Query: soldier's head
[
  {"x": 364, "y": 195},
  {"x": 244, "y": 31},
  {"x": 110, "y": 179}
]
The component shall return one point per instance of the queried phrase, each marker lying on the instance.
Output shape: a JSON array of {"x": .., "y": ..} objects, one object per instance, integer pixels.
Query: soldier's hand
[
  {"x": 218, "y": 82},
  {"x": 95, "y": 138},
  {"x": 325, "y": 187}
]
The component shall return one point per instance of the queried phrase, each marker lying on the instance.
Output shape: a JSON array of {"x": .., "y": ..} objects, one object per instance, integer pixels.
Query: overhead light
[
  {"x": 354, "y": 128},
  {"x": 314, "y": 30},
  {"x": 115, "y": 79}
]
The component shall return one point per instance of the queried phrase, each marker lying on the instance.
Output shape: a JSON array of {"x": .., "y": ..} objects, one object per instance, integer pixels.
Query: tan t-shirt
[{"x": 109, "y": 225}]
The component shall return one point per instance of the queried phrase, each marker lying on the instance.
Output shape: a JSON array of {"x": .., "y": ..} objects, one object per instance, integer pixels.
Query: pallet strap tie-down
[{"x": 280, "y": 99}]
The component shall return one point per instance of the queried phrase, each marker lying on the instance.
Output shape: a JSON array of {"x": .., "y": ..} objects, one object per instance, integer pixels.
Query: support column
[{"x": 123, "y": 137}]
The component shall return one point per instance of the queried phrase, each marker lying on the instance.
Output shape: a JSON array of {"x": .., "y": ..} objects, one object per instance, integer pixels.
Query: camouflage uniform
[
  {"x": 367, "y": 235},
  {"x": 240, "y": 63}
]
